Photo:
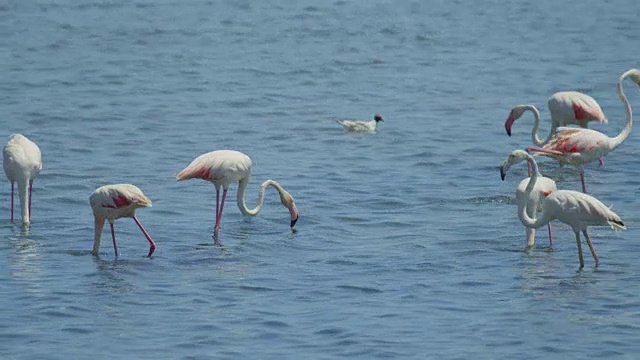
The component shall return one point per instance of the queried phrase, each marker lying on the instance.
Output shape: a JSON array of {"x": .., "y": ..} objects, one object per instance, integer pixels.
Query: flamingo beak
[
  {"x": 294, "y": 215},
  {"x": 509, "y": 123},
  {"x": 503, "y": 171}
]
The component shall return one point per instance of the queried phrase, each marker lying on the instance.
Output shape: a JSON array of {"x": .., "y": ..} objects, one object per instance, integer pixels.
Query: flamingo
[
  {"x": 22, "y": 163},
  {"x": 576, "y": 209},
  {"x": 360, "y": 125},
  {"x": 579, "y": 146},
  {"x": 543, "y": 187},
  {"x": 566, "y": 108},
  {"x": 113, "y": 202},
  {"x": 224, "y": 167}
]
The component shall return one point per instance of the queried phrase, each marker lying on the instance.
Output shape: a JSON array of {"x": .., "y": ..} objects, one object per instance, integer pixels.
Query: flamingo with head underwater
[
  {"x": 543, "y": 187},
  {"x": 22, "y": 162},
  {"x": 225, "y": 167},
  {"x": 576, "y": 209},
  {"x": 577, "y": 147},
  {"x": 111, "y": 202}
]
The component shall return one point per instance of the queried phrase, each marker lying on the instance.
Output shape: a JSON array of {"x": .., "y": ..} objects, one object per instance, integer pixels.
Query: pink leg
[
  {"x": 152, "y": 245},
  {"x": 113, "y": 236},
  {"x": 30, "y": 186},
  {"x": 584, "y": 186},
  {"x": 529, "y": 168},
  {"x": 550, "y": 235},
  {"x": 579, "y": 250},
  {"x": 217, "y": 204},
  {"x": 219, "y": 215},
  {"x": 12, "y": 201},
  {"x": 593, "y": 251},
  {"x": 601, "y": 160}
]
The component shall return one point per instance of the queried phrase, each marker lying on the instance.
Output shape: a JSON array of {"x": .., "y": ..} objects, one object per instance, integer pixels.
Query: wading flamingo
[
  {"x": 360, "y": 125},
  {"x": 543, "y": 187},
  {"x": 224, "y": 167},
  {"x": 579, "y": 146},
  {"x": 113, "y": 202},
  {"x": 566, "y": 108},
  {"x": 22, "y": 163},
  {"x": 573, "y": 208}
]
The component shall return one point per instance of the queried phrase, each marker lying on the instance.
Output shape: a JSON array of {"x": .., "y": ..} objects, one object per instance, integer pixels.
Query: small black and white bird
[{"x": 361, "y": 125}]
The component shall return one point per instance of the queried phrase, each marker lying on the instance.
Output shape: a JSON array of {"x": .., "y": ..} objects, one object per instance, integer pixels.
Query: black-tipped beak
[
  {"x": 293, "y": 222},
  {"x": 508, "y": 124},
  {"x": 502, "y": 173}
]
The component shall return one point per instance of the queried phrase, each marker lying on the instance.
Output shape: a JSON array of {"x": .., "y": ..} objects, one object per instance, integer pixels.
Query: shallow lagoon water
[{"x": 408, "y": 244}]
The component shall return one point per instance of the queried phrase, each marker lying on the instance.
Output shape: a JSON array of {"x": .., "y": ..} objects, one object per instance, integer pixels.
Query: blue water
[{"x": 408, "y": 244}]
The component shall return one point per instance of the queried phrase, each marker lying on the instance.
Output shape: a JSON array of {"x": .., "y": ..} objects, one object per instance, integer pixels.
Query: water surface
[{"x": 408, "y": 244}]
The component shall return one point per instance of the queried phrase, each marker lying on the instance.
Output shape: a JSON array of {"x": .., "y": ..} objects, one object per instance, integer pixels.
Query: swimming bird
[
  {"x": 224, "y": 167},
  {"x": 361, "y": 125},
  {"x": 113, "y": 202},
  {"x": 22, "y": 163},
  {"x": 543, "y": 187},
  {"x": 577, "y": 147},
  {"x": 566, "y": 108},
  {"x": 576, "y": 209}
]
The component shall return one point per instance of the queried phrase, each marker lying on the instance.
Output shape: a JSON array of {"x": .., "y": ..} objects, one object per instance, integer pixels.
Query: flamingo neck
[
  {"x": 531, "y": 237},
  {"x": 242, "y": 187},
  {"x": 530, "y": 208},
  {"x": 536, "y": 125},
  {"x": 99, "y": 225},
  {"x": 23, "y": 192},
  {"x": 624, "y": 134},
  {"x": 528, "y": 221}
]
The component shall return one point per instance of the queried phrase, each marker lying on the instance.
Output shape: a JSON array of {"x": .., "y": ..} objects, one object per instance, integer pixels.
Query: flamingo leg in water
[
  {"x": 30, "y": 186},
  {"x": 152, "y": 245},
  {"x": 550, "y": 234},
  {"x": 584, "y": 186},
  {"x": 579, "y": 250},
  {"x": 217, "y": 203},
  {"x": 593, "y": 251},
  {"x": 113, "y": 236},
  {"x": 601, "y": 160},
  {"x": 215, "y": 227},
  {"x": 219, "y": 215},
  {"x": 12, "y": 201},
  {"x": 219, "y": 218}
]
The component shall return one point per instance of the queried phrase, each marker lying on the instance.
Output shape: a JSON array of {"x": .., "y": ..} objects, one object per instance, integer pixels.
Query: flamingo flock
[
  {"x": 23, "y": 162},
  {"x": 576, "y": 209},
  {"x": 538, "y": 199},
  {"x": 572, "y": 146}
]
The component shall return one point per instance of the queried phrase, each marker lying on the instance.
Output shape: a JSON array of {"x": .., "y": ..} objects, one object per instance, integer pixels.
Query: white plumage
[
  {"x": 579, "y": 146},
  {"x": 225, "y": 167},
  {"x": 111, "y": 202},
  {"x": 566, "y": 108},
  {"x": 361, "y": 125},
  {"x": 22, "y": 162},
  {"x": 543, "y": 187},
  {"x": 573, "y": 208}
]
